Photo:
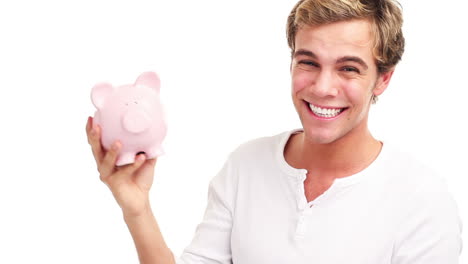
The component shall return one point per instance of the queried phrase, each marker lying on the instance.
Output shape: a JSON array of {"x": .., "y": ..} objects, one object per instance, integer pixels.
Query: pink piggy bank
[{"x": 132, "y": 114}]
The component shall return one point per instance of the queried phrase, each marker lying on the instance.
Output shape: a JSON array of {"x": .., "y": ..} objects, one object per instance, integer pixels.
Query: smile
[{"x": 325, "y": 112}]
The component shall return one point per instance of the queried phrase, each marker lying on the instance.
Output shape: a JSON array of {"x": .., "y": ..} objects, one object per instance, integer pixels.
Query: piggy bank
[{"x": 132, "y": 114}]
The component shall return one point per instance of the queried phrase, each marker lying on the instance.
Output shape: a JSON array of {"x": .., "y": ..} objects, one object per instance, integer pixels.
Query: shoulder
[
  {"x": 249, "y": 158},
  {"x": 423, "y": 191},
  {"x": 261, "y": 148},
  {"x": 413, "y": 184},
  {"x": 408, "y": 170},
  {"x": 428, "y": 211}
]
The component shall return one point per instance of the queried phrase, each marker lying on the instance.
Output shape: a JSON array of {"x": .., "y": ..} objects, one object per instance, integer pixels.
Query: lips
[{"x": 325, "y": 112}]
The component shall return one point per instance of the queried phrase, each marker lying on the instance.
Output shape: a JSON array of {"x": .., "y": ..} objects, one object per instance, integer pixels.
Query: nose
[
  {"x": 324, "y": 84},
  {"x": 136, "y": 121}
]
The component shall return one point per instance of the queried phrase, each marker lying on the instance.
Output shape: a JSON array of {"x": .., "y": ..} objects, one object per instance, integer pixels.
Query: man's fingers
[
  {"x": 94, "y": 131},
  {"x": 145, "y": 173},
  {"x": 107, "y": 165},
  {"x": 88, "y": 125},
  {"x": 131, "y": 168},
  {"x": 106, "y": 159}
]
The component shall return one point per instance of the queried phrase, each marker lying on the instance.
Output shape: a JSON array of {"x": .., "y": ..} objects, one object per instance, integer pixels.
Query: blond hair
[{"x": 384, "y": 15}]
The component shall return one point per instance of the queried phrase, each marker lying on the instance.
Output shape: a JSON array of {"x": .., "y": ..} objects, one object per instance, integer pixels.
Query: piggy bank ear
[
  {"x": 149, "y": 79},
  {"x": 99, "y": 93}
]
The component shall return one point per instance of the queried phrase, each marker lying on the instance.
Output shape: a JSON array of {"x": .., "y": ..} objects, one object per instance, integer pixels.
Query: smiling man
[
  {"x": 326, "y": 193},
  {"x": 334, "y": 80}
]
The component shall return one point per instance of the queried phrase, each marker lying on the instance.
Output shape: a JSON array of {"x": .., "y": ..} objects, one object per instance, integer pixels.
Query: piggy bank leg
[
  {"x": 155, "y": 152},
  {"x": 125, "y": 158}
]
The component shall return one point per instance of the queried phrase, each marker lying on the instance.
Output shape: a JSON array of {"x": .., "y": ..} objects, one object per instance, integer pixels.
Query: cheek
[
  {"x": 299, "y": 81},
  {"x": 356, "y": 92}
]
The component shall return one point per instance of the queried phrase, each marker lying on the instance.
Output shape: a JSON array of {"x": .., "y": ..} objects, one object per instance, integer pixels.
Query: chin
[{"x": 320, "y": 137}]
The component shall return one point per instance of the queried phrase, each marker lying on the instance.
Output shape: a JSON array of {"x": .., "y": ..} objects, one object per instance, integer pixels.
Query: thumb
[{"x": 145, "y": 174}]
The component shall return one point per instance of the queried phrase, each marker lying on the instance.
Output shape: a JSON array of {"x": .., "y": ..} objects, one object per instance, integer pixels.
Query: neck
[{"x": 343, "y": 157}]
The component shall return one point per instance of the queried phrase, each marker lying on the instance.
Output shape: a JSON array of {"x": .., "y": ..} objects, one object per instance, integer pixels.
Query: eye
[
  {"x": 308, "y": 63},
  {"x": 350, "y": 69}
]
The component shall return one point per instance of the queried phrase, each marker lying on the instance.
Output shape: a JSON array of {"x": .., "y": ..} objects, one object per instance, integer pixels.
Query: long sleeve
[{"x": 212, "y": 241}]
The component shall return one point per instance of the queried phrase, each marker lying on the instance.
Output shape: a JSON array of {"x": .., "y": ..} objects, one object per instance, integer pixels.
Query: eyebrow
[
  {"x": 353, "y": 59},
  {"x": 304, "y": 52},
  {"x": 340, "y": 60}
]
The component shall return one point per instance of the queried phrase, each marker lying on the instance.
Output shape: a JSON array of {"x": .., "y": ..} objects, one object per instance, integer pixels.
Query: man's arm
[
  {"x": 130, "y": 185},
  {"x": 148, "y": 239}
]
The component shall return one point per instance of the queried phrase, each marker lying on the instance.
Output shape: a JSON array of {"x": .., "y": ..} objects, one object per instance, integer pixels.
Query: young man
[{"x": 327, "y": 193}]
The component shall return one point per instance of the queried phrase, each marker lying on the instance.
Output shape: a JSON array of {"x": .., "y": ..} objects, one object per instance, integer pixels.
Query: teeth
[{"x": 325, "y": 112}]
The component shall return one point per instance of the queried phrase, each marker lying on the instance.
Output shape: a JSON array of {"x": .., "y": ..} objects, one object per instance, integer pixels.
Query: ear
[
  {"x": 149, "y": 79},
  {"x": 382, "y": 82},
  {"x": 99, "y": 93}
]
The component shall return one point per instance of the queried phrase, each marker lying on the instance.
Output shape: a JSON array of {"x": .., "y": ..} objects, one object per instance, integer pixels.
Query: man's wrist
[{"x": 142, "y": 215}]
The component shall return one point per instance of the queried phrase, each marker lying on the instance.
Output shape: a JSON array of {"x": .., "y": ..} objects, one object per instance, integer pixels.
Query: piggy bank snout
[{"x": 136, "y": 121}]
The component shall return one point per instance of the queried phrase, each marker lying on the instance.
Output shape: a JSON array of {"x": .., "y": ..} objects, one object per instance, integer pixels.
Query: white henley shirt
[{"x": 396, "y": 211}]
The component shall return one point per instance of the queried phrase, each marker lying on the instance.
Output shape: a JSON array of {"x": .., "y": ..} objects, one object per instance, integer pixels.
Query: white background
[{"x": 224, "y": 67}]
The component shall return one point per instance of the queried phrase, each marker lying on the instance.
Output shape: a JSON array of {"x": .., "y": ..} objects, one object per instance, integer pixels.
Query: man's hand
[{"x": 130, "y": 184}]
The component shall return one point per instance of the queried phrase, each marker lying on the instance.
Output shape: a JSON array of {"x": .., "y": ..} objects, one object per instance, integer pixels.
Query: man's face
[{"x": 334, "y": 75}]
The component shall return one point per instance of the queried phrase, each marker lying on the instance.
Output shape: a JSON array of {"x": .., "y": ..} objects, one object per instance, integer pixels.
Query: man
[{"x": 327, "y": 193}]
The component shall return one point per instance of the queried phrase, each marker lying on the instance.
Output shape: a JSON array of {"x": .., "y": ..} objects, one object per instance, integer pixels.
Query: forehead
[{"x": 345, "y": 38}]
